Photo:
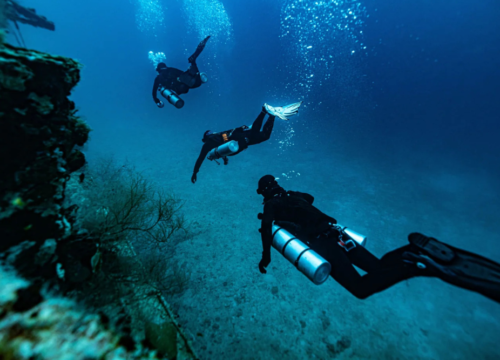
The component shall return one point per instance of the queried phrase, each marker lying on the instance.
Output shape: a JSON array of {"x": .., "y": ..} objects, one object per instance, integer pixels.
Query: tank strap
[
  {"x": 298, "y": 258},
  {"x": 274, "y": 233},
  {"x": 284, "y": 246},
  {"x": 215, "y": 157},
  {"x": 348, "y": 245}
]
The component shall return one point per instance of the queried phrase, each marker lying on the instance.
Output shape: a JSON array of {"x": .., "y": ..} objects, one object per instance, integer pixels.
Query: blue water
[{"x": 398, "y": 133}]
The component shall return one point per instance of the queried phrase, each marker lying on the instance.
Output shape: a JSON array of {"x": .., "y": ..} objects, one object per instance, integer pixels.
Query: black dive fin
[{"x": 456, "y": 266}]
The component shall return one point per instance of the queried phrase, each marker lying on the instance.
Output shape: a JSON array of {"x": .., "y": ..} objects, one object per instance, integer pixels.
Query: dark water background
[{"x": 401, "y": 136}]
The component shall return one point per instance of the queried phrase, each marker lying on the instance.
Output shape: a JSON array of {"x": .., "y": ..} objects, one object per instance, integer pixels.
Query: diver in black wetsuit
[
  {"x": 18, "y": 13},
  {"x": 244, "y": 135},
  {"x": 177, "y": 80},
  {"x": 424, "y": 256}
]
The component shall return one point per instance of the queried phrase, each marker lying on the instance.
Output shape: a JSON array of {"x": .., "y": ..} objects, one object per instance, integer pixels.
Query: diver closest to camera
[
  {"x": 172, "y": 82},
  {"x": 329, "y": 249}
]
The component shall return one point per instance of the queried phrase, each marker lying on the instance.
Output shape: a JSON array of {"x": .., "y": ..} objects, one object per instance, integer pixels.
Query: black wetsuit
[
  {"x": 18, "y": 13},
  {"x": 180, "y": 81},
  {"x": 294, "y": 212},
  {"x": 172, "y": 79},
  {"x": 244, "y": 135}
]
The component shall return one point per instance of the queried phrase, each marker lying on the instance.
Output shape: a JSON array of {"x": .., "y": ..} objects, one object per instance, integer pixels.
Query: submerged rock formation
[
  {"x": 40, "y": 136},
  {"x": 39, "y": 132}
]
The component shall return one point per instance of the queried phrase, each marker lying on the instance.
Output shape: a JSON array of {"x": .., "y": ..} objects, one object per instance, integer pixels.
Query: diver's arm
[
  {"x": 266, "y": 231},
  {"x": 203, "y": 154},
  {"x": 155, "y": 89}
]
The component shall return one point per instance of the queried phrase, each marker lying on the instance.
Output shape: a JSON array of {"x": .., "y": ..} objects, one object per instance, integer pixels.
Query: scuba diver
[
  {"x": 20, "y": 14},
  {"x": 333, "y": 249},
  {"x": 172, "y": 82},
  {"x": 231, "y": 142}
]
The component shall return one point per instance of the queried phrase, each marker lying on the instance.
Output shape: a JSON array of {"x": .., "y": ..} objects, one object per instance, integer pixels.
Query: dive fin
[
  {"x": 456, "y": 266},
  {"x": 283, "y": 112}
]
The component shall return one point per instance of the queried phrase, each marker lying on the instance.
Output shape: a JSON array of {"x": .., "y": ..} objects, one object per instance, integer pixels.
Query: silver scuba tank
[
  {"x": 310, "y": 263},
  {"x": 172, "y": 97},
  {"x": 226, "y": 149},
  {"x": 203, "y": 77},
  {"x": 351, "y": 235}
]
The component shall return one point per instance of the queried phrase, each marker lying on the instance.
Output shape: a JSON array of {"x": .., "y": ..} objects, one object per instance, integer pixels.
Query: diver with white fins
[
  {"x": 172, "y": 82},
  {"x": 220, "y": 145},
  {"x": 329, "y": 249}
]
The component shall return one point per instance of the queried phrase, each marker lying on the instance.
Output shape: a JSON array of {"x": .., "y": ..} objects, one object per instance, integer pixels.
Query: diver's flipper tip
[
  {"x": 456, "y": 266},
  {"x": 283, "y": 112}
]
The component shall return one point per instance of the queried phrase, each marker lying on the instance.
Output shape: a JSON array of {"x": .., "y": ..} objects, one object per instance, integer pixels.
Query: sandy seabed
[{"x": 234, "y": 312}]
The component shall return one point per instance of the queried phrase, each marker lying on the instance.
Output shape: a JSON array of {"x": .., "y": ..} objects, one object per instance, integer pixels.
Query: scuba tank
[
  {"x": 309, "y": 262},
  {"x": 226, "y": 149},
  {"x": 348, "y": 238},
  {"x": 172, "y": 97},
  {"x": 203, "y": 77}
]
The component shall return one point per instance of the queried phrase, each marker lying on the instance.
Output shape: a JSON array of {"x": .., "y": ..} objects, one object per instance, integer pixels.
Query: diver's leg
[
  {"x": 193, "y": 69},
  {"x": 268, "y": 127},
  {"x": 364, "y": 259},
  {"x": 342, "y": 270},
  {"x": 455, "y": 266},
  {"x": 264, "y": 135},
  {"x": 257, "y": 124},
  {"x": 191, "y": 77},
  {"x": 198, "y": 50},
  {"x": 383, "y": 275},
  {"x": 256, "y": 136}
]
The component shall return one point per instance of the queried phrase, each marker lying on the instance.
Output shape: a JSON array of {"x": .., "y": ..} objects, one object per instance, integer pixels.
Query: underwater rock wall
[
  {"x": 38, "y": 135},
  {"x": 39, "y": 235},
  {"x": 3, "y": 21}
]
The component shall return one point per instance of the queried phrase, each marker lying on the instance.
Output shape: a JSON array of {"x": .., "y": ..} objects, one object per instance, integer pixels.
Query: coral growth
[
  {"x": 123, "y": 211},
  {"x": 56, "y": 328}
]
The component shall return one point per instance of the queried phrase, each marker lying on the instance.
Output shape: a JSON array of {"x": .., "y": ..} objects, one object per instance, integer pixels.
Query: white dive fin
[{"x": 283, "y": 112}]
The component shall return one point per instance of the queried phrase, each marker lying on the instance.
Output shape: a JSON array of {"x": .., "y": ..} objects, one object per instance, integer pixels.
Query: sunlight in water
[
  {"x": 209, "y": 17},
  {"x": 320, "y": 35},
  {"x": 149, "y": 16}
]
